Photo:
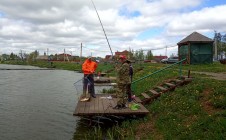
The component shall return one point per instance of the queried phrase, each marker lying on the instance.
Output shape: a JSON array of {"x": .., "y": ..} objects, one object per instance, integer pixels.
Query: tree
[
  {"x": 32, "y": 56},
  {"x": 149, "y": 55},
  {"x": 139, "y": 54},
  {"x": 12, "y": 56},
  {"x": 131, "y": 54},
  {"x": 5, "y": 57},
  {"x": 221, "y": 43}
]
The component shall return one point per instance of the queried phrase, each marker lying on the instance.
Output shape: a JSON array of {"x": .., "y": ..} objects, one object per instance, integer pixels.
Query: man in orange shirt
[{"x": 88, "y": 68}]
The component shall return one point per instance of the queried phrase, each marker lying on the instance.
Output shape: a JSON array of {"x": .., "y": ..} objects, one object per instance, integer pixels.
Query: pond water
[{"x": 38, "y": 104}]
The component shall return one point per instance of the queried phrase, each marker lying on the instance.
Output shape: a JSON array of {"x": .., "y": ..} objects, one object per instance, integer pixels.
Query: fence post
[{"x": 180, "y": 70}]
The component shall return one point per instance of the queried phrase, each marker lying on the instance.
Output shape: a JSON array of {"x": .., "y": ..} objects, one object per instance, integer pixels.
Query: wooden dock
[{"x": 101, "y": 105}]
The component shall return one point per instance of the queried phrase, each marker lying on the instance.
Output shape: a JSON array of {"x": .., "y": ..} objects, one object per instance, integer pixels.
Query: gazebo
[{"x": 197, "y": 48}]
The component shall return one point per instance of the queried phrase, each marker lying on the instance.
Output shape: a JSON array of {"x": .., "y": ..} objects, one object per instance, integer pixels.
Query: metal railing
[{"x": 134, "y": 83}]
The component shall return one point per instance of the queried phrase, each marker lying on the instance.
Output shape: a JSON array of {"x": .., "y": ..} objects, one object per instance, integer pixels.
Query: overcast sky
[{"x": 30, "y": 25}]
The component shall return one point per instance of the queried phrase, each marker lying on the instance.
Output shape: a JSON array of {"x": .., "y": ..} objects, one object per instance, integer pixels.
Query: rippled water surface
[{"x": 37, "y": 104}]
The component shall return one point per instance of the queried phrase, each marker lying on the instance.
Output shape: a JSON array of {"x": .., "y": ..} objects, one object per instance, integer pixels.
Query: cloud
[
  {"x": 205, "y": 20},
  {"x": 58, "y": 25}
]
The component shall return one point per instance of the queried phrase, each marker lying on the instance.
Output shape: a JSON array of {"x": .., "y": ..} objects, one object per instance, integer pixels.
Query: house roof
[
  {"x": 195, "y": 37},
  {"x": 160, "y": 57},
  {"x": 125, "y": 52},
  {"x": 64, "y": 54},
  {"x": 107, "y": 56}
]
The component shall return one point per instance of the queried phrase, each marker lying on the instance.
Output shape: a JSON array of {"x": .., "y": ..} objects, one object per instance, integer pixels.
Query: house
[
  {"x": 159, "y": 58},
  {"x": 125, "y": 52},
  {"x": 196, "y": 48},
  {"x": 107, "y": 57},
  {"x": 64, "y": 57},
  {"x": 42, "y": 57}
]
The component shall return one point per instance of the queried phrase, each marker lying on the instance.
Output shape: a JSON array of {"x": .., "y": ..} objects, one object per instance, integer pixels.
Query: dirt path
[{"x": 217, "y": 76}]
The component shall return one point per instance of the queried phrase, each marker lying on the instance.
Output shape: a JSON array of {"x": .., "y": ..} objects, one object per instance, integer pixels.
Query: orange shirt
[{"x": 89, "y": 66}]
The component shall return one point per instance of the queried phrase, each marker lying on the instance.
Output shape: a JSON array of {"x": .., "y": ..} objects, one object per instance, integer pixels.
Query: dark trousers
[
  {"x": 128, "y": 91},
  {"x": 88, "y": 81}
]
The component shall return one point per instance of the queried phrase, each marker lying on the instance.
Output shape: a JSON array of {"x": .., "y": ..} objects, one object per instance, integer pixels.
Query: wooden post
[
  {"x": 81, "y": 54},
  {"x": 188, "y": 73}
]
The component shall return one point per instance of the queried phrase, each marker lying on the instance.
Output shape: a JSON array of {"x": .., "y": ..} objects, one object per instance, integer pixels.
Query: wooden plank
[
  {"x": 86, "y": 107},
  {"x": 154, "y": 92},
  {"x": 92, "y": 107},
  {"x": 112, "y": 104},
  {"x": 145, "y": 95},
  {"x": 138, "y": 100},
  {"x": 178, "y": 81},
  {"x": 106, "y": 104},
  {"x": 169, "y": 84},
  {"x": 139, "y": 111},
  {"x": 188, "y": 79},
  {"x": 117, "y": 111},
  {"x": 161, "y": 88},
  {"x": 98, "y": 106},
  {"x": 81, "y": 106},
  {"x": 76, "y": 108}
]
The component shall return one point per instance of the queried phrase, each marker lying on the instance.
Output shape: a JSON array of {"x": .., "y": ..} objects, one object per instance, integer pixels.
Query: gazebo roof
[{"x": 195, "y": 37}]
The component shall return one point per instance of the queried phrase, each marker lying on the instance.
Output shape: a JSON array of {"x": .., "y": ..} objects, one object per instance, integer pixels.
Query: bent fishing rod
[{"x": 102, "y": 27}]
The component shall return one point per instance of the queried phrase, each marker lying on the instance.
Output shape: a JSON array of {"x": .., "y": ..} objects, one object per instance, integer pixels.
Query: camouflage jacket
[{"x": 123, "y": 74}]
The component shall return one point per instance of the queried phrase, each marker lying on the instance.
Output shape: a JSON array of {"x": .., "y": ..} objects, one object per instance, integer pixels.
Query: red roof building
[
  {"x": 107, "y": 57},
  {"x": 159, "y": 58},
  {"x": 125, "y": 52}
]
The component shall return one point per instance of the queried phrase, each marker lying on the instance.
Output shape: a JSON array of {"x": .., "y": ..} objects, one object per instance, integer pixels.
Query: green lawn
[{"x": 193, "y": 111}]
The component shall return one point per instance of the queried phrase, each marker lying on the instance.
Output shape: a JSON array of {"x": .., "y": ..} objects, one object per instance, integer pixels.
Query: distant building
[
  {"x": 42, "y": 57},
  {"x": 64, "y": 57},
  {"x": 159, "y": 58},
  {"x": 117, "y": 54},
  {"x": 196, "y": 48},
  {"x": 125, "y": 52},
  {"x": 107, "y": 57}
]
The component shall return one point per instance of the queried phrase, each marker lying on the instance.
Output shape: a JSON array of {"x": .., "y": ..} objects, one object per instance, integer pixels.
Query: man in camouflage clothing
[{"x": 123, "y": 81}]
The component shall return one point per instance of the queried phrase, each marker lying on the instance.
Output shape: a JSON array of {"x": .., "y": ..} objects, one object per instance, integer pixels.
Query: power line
[
  {"x": 94, "y": 49},
  {"x": 171, "y": 46}
]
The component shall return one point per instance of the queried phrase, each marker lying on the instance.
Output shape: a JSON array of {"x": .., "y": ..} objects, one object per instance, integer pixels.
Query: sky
[{"x": 58, "y": 25}]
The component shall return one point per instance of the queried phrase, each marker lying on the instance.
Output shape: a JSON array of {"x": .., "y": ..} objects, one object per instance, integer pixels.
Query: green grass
[
  {"x": 193, "y": 111},
  {"x": 214, "y": 67}
]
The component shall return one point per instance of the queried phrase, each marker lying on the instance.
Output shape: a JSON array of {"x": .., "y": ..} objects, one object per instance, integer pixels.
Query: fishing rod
[{"x": 102, "y": 27}]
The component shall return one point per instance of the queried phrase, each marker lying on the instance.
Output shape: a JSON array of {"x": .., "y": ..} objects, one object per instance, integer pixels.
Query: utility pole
[
  {"x": 21, "y": 55},
  {"x": 166, "y": 51},
  {"x": 64, "y": 54},
  {"x": 215, "y": 46},
  {"x": 47, "y": 54},
  {"x": 81, "y": 54}
]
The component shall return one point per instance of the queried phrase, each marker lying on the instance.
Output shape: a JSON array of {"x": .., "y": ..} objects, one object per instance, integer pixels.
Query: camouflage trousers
[{"x": 121, "y": 93}]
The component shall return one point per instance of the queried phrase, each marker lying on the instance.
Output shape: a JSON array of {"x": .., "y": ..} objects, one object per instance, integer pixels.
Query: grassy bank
[
  {"x": 73, "y": 66},
  {"x": 193, "y": 111}
]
